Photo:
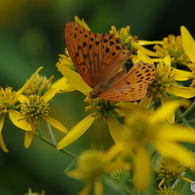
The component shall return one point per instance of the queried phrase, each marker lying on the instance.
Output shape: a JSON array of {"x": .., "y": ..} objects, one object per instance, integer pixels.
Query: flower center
[
  {"x": 101, "y": 107},
  {"x": 35, "y": 107}
]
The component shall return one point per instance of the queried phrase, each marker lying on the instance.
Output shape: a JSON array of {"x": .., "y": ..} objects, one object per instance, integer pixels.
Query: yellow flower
[
  {"x": 132, "y": 42},
  {"x": 169, "y": 170},
  {"x": 172, "y": 46},
  {"x": 9, "y": 104},
  {"x": 35, "y": 108},
  {"x": 101, "y": 109},
  {"x": 143, "y": 130},
  {"x": 39, "y": 85},
  {"x": 92, "y": 164},
  {"x": 165, "y": 87}
]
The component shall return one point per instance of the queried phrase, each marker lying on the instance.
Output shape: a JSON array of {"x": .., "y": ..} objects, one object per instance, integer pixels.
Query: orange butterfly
[{"x": 99, "y": 58}]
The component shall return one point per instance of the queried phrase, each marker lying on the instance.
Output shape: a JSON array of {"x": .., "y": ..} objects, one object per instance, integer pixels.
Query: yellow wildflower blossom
[
  {"x": 169, "y": 170},
  {"x": 101, "y": 109},
  {"x": 9, "y": 104},
  {"x": 92, "y": 164},
  {"x": 172, "y": 46},
  {"x": 146, "y": 129},
  {"x": 35, "y": 108},
  {"x": 132, "y": 42},
  {"x": 165, "y": 87}
]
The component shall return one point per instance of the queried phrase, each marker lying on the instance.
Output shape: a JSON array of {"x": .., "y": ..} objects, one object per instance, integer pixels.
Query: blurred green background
[{"x": 31, "y": 35}]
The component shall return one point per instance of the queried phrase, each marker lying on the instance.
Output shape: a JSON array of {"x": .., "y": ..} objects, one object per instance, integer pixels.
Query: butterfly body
[{"x": 99, "y": 59}]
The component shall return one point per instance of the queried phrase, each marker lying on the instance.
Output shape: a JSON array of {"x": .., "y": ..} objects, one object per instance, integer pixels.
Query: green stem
[
  {"x": 54, "y": 145},
  {"x": 185, "y": 113}
]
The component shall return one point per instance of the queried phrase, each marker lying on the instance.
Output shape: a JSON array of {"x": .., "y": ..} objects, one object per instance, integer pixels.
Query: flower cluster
[
  {"x": 150, "y": 126},
  {"x": 148, "y": 132},
  {"x": 28, "y": 106}
]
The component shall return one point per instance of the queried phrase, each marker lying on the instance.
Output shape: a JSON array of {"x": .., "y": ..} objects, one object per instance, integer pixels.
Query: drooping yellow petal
[
  {"x": 142, "y": 167},
  {"x": 75, "y": 79},
  {"x": 55, "y": 123},
  {"x": 185, "y": 92},
  {"x": 78, "y": 130},
  {"x": 2, "y": 144},
  {"x": 17, "y": 120},
  {"x": 188, "y": 43},
  {"x": 28, "y": 138},
  {"x": 98, "y": 187},
  {"x": 175, "y": 151},
  {"x": 1, "y": 122},
  {"x": 86, "y": 190},
  {"x": 170, "y": 116},
  {"x": 117, "y": 131}
]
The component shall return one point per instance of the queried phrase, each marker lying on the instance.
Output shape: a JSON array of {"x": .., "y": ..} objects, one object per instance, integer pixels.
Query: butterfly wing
[
  {"x": 97, "y": 57},
  {"x": 133, "y": 86}
]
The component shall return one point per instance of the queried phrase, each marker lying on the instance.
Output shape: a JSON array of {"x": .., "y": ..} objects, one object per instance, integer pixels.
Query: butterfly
[{"x": 99, "y": 59}]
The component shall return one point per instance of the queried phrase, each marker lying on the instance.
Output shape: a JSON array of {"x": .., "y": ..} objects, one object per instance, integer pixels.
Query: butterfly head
[{"x": 98, "y": 89}]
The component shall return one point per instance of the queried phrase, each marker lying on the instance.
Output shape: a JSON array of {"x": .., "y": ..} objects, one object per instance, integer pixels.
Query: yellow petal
[
  {"x": 166, "y": 110},
  {"x": 28, "y": 138},
  {"x": 76, "y": 132},
  {"x": 49, "y": 94},
  {"x": 1, "y": 122},
  {"x": 111, "y": 153},
  {"x": 181, "y": 75},
  {"x": 98, "y": 187},
  {"x": 23, "y": 98},
  {"x": 62, "y": 85},
  {"x": 142, "y": 167},
  {"x": 86, "y": 190},
  {"x": 125, "y": 109},
  {"x": 142, "y": 56},
  {"x": 170, "y": 116},
  {"x": 146, "y": 101},
  {"x": 167, "y": 60},
  {"x": 75, "y": 79},
  {"x": 144, "y": 50},
  {"x": 2, "y": 144},
  {"x": 185, "y": 92},
  {"x": 117, "y": 132},
  {"x": 17, "y": 120},
  {"x": 188, "y": 43},
  {"x": 81, "y": 22},
  {"x": 144, "y": 42},
  {"x": 175, "y": 151},
  {"x": 55, "y": 124},
  {"x": 177, "y": 133}
]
